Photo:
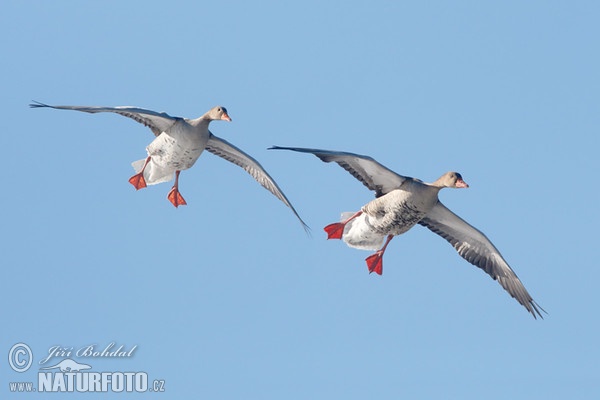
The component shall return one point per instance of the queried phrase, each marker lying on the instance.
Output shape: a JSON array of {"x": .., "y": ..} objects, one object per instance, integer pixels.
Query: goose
[
  {"x": 178, "y": 144},
  {"x": 402, "y": 202}
]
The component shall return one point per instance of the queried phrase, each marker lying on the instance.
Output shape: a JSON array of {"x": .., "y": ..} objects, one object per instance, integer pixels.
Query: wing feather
[
  {"x": 472, "y": 245},
  {"x": 231, "y": 153},
  {"x": 157, "y": 122},
  {"x": 372, "y": 174}
]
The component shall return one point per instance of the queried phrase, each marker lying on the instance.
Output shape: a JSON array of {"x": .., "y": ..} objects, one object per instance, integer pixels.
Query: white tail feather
[
  {"x": 153, "y": 173},
  {"x": 359, "y": 234},
  {"x": 138, "y": 165}
]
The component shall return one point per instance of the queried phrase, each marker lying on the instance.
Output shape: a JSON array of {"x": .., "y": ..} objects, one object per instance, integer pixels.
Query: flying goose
[
  {"x": 402, "y": 202},
  {"x": 178, "y": 144}
]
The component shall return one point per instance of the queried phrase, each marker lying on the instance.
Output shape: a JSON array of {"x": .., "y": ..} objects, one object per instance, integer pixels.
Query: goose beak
[
  {"x": 225, "y": 117},
  {"x": 461, "y": 184}
]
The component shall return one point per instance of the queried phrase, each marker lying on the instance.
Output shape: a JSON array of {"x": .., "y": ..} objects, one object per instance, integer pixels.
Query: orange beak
[
  {"x": 461, "y": 184},
  {"x": 225, "y": 117}
]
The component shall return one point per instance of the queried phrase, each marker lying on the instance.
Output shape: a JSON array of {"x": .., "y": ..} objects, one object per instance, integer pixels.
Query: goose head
[
  {"x": 452, "y": 180},
  {"x": 217, "y": 113}
]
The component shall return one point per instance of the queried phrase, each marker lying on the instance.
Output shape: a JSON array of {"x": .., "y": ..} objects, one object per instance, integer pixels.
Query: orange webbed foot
[
  {"x": 375, "y": 262},
  {"x": 335, "y": 231},
  {"x": 138, "y": 181},
  {"x": 176, "y": 198}
]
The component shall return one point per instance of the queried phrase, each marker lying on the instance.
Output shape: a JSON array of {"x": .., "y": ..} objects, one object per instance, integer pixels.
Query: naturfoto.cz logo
[{"x": 69, "y": 375}]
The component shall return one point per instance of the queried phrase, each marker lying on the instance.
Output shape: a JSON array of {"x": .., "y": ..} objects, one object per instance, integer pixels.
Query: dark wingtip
[
  {"x": 37, "y": 104},
  {"x": 536, "y": 310},
  {"x": 307, "y": 229}
]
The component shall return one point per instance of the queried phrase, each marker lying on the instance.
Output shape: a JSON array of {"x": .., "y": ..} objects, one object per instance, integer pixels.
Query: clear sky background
[{"x": 228, "y": 298}]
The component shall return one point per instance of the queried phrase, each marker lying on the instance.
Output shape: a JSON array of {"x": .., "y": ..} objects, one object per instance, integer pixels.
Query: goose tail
[
  {"x": 153, "y": 174},
  {"x": 359, "y": 234}
]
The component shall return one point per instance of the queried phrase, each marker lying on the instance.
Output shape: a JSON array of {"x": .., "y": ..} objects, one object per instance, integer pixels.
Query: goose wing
[
  {"x": 231, "y": 153},
  {"x": 476, "y": 248},
  {"x": 372, "y": 174},
  {"x": 157, "y": 122}
]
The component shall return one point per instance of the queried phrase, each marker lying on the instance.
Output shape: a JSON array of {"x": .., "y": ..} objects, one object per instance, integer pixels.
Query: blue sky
[{"x": 227, "y": 297}]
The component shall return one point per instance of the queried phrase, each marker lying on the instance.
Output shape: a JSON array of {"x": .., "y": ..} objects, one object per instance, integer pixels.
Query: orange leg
[
  {"x": 174, "y": 196},
  {"x": 336, "y": 230},
  {"x": 138, "y": 180},
  {"x": 375, "y": 261}
]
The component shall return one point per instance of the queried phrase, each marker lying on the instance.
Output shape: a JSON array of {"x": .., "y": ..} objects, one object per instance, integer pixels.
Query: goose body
[
  {"x": 402, "y": 202},
  {"x": 391, "y": 214},
  {"x": 174, "y": 150},
  {"x": 178, "y": 144},
  {"x": 395, "y": 212}
]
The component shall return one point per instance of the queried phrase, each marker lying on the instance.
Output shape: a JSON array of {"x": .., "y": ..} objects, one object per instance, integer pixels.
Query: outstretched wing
[
  {"x": 229, "y": 152},
  {"x": 364, "y": 168},
  {"x": 157, "y": 122},
  {"x": 476, "y": 248}
]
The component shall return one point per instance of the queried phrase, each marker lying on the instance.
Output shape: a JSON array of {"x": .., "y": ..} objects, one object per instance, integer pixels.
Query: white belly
[
  {"x": 175, "y": 154},
  {"x": 391, "y": 214},
  {"x": 174, "y": 150}
]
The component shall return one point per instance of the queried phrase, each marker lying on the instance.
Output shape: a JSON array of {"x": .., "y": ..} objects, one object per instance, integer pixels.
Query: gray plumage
[
  {"x": 470, "y": 243},
  {"x": 180, "y": 141}
]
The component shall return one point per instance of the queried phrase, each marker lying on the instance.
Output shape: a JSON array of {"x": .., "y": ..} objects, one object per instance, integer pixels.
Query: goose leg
[
  {"x": 138, "y": 180},
  {"x": 336, "y": 230},
  {"x": 174, "y": 196},
  {"x": 375, "y": 261}
]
